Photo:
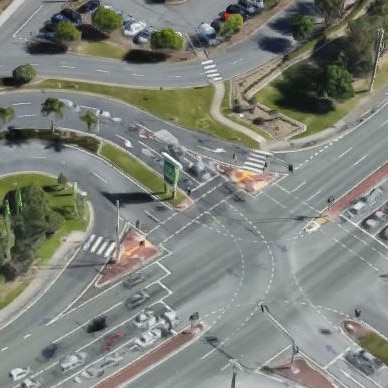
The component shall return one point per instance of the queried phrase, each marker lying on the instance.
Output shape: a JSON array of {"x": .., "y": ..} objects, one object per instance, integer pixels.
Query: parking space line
[
  {"x": 359, "y": 160},
  {"x": 26, "y": 22},
  {"x": 351, "y": 378},
  {"x": 274, "y": 356},
  {"x": 336, "y": 358},
  {"x": 208, "y": 354}
]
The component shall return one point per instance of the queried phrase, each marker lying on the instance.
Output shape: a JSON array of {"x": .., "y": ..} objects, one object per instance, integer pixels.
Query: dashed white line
[
  {"x": 21, "y": 103},
  {"x": 27, "y": 335},
  {"x": 313, "y": 196},
  {"x": 100, "y": 177},
  {"x": 137, "y": 75},
  {"x": 344, "y": 153},
  {"x": 208, "y": 354},
  {"x": 174, "y": 76},
  {"x": 71, "y": 67},
  {"x": 102, "y": 71},
  {"x": 298, "y": 187},
  {"x": 359, "y": 160},
  {"x": 32, "y": 115},
  {"x": 5, "y": 348}
]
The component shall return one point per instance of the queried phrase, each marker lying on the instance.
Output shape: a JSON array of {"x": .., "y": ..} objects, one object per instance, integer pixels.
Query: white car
[
  {"x": 116, "y": 119},
  {"x": 145, "y": 320},
  {"x": 19, "y": 373},
  {"x": 128, "y": 144},
  {"x": 29, "y": 383},
  {"x": 103, "y": 113},
  {"x": 68, "y": 103},
  {"x": 148, "y": 338},
  {"x": 134, "y": 28},
  {"x": 73, "y": 361},
  {"x": 169, "y": 319}
]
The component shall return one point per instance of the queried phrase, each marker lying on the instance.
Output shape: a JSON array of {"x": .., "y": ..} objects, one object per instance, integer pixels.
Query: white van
[{"x": 72, "y": 361}]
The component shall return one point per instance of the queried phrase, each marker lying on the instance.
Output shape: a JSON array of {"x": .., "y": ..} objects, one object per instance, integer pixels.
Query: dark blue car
[
  {"x": 90, "y": 6},
  {"x": 57, "y": 18},
  {"x": 72, "y": 15}
]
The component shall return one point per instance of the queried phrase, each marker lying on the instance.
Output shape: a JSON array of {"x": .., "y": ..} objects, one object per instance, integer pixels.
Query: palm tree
[
  {"x": 53, "y": 106},
  {"x": 91, "y": 120},
  {"x": 6, "y": 115}
]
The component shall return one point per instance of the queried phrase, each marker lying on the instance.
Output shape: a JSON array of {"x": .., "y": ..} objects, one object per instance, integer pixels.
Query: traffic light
[{"x": 291, "y": 168}]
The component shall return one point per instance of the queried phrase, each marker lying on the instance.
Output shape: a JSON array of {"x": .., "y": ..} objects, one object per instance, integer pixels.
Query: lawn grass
[
  {"x": 189, "y": 108},
  {"x": 61, "y": 202},
  {"x": 146, "y": 177},
  {"x": 225, "y": 104},
  {"x": 102, "y": 49},
  {"x": 376, "y": 345},
  {"x": 12, "y": 295}
]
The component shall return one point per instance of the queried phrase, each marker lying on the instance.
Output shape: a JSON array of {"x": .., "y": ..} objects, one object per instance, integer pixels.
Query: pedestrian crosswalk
[
  {"x": 211, "y": 71},
  {"x": 256, "y": 161},
  {"x": 100, "y": 246}
]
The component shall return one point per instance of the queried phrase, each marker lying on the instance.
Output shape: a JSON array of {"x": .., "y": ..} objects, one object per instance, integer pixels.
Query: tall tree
[
  {"x": 106, "y": 20},
  {"x": 167, "y": 38},
  {"x": 337, "y": 82},
  {"x": 302, "y": 27},
  {"x": 6, "y": 115},
  {"x": 53, "y": 107},
  {"x": 232, "y": 24},
  {"x": 331, "y": 10},
  {"x": 90, "y": 119},
  {"x": 67, "y": 32}
]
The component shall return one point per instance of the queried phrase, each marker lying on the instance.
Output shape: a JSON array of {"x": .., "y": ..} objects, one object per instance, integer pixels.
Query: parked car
[
  {"x": 47, "y": 36},
  {"x": 112, "y": 339},
  {"x": 144, "y": 36},
  {"x": 90, "y": 6},
  {"x": 58, "y": 17},
  {"x": 73, "y": 361},
  {"x": 97, "y": 324},
  {"x": 19, "y": 373},
  {"x": 257, "y": 4},
  {"x": 145, "y": 320},
  {"x": 72, "y": 15},
  {"x": 235, "y": 8},
  {"x": 137, "y": 299},
  {"x": 134, "y": 28},
  {"x": 134, "y": 279},
  {"x": 363, "y": 361},
  {"x": 50, "y": 351},
  {"x": 148, "y": 338},
  {"x": 49, "y": 27},
  {"x": 217, "y": 24},
  {"x": 168, "y": 320},
  {"x": 128, "y": 20}
]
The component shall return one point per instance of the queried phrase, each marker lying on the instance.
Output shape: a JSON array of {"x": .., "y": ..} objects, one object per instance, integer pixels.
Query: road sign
[{"x": 171, "y": 170}]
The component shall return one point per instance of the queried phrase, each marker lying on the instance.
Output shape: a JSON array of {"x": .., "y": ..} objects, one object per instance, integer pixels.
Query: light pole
[
  {"x": 236, "y": 367},
  {"x": 295, "y": 349},
  {"x": 117, "y": 252}
]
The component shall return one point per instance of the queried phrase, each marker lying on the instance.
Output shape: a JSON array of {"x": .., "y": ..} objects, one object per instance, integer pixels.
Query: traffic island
[
  {"x": 249, "y": 181},
  {"x": 154, "y": 357},
  {"x": 135, "y": 252},
  {"x": 301, "y": 372}
]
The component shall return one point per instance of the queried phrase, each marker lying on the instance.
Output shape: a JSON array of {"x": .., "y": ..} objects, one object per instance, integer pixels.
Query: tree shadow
[
  {"x": 304, "y": 8},
  {"x": 145, "y": 56},
  {"x": 40, "y": 47},
  {"x": 274, "y": 45},
  {"x": 91, "y": 33},
  {"x": 282, "y": 25},
  {"x": 14, "y": 137},
  {"x": 56, "y": 144}
]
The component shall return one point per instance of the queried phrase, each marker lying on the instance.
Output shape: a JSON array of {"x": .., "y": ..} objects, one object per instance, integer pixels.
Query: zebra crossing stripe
[
  {"x": 102, "y": 247},
  {"x": 217, "y": 79},
  {"x": 88, "y": 242},
  {"x": 254, "y": 169},
  {"x": 207, "y": 62},
  {"x": 260, "y": 152},
  {"x": 257, "y": 164},
  {"x": 209, "y": 67},
  {"x": 96, "y": 244},
  {"x": 211, "y": 71},
  {"x": 110, "y": 250}
]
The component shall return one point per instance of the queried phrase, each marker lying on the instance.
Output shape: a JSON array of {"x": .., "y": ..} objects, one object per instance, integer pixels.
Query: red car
[{"x": 112, "y": 339}]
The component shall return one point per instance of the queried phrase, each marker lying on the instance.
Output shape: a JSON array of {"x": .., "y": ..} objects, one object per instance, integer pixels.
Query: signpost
[{"x": 171, "y": 172}]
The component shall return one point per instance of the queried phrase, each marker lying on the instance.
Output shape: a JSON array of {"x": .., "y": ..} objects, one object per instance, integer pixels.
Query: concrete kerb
[
  {"x": 10, "y": 10},
  {"x": 39, "y": 286}
]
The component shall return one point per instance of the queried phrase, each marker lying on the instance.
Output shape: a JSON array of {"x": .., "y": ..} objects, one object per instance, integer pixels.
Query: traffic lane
[
  {"x": 70, "y": 335},
  {"x": 350, "y": 376}
]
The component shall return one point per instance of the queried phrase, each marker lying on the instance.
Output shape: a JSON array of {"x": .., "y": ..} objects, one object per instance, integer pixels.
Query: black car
[
  {"x": 216, "y": 24},
  {"x": 97, "y": 324},
  {"x": 72, "y": 15},
  {"x": 49, "y": 27},
  {"x": 90, "y": 6},
  {"x": 234, "y": 8},
  {"x": 137, "y": 300},
  {"x": 50, "y": 351}
]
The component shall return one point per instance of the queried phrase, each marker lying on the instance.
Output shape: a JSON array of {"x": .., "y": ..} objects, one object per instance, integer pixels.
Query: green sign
[{"x": 171, "y": 172}]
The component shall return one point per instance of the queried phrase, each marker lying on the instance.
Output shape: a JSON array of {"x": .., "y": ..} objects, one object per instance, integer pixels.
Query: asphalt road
[{"x": 266, "y": 43}]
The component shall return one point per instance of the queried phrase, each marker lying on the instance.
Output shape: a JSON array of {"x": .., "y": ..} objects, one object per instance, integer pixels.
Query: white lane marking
[
  {"x": 5, "y": 348},
  {"x": 359, "y": 160},
  {"x": 100, "y": 177},
  {"x": 237, "y": 61},
  {"x": 84, "y": 324},
  {"x": 68, "y": 67},
  {"x": 21, "y": 116},
  {"x": 275, "y": 356},
  {"x": 207, "y": 62},
  {"x": 38, "y": 157},
  {"x": 282, "y": 188},
  {"x": 385, "y": 122},
  {"x": 110, "y": 250},
  {"x": 208, "y": 354},
  {"x": 174, "y": 76},
  {"x": 34, "y": 64},
  {"x": 102, "y": 71},
  {"x": 336, "y": 358},
  {"x": 137, "y": 75},
  {"x": 102, "y": 247},
  {"x": 298, "y": 187},
  {"x": 27, "y": 335},
  {"x": 274, "y": 200},
  {"x": 351, "y": 378},
  {"x": 344, "y": 153},
  {"x": 209, "y": 67},
  {"x": 211, "y": 71},
  {"x": 225, "y": 367},
  {"x": 25, "y": 23},
  {"x": 88, "y": 242},
  {"x": 313, "y": 196},
  {"x": 217, "y": 79},
  {"x": 21, "y": 103},
  {"x": 96, "y": 244}
]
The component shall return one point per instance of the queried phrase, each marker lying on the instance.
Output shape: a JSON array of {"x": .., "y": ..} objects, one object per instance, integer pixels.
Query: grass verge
[
  {"x": 102, "y": 49},
  {"x": 189, "y": 108},
  {"x": 146, "y": 177},
  {"x": 376, "y": 345},
  {"x": 61, "y": 201},
  {"x": 13, "y": 294}
]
